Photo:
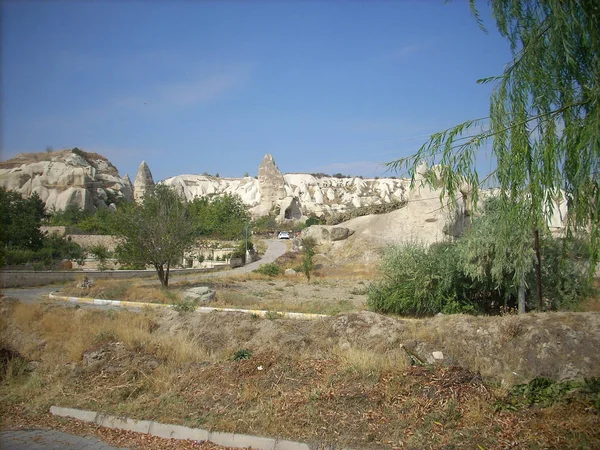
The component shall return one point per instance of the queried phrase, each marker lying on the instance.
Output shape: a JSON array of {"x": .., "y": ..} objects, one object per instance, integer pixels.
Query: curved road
[{"x": 274, "y": 250}]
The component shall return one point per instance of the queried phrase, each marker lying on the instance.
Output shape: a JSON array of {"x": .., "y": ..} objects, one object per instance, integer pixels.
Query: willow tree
[{"x": 544, "y": 124}]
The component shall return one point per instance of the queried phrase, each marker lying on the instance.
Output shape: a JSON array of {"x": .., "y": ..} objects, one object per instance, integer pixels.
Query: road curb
[
  {"x": 178, "y": 431},
  {"x": 200, "y": 309}
]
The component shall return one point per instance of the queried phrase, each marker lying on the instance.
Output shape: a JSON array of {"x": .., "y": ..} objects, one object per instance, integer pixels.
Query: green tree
[
  {"x": 543, "y": 124},
  {"x": 101, "y": 253},
  {"x": 157, "y": 231},
  {"x": 221, "y": 216},
  {"x": 20, "y": 220},
  {"x": 71, "y": 215},
  {"x": 308, "y": 252}
]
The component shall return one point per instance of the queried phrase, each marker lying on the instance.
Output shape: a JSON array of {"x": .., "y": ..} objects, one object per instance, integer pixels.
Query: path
[
  {"x": 274, "y": 250},
  {"x": 49, "y": 440}
]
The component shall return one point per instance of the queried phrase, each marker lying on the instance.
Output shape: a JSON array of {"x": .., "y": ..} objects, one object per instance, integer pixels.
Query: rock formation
[
  {"x": 143, "y": 182},
  {"x": 294, "y": 196},
  {"x": 271, "y": 186},
  {"x": 66, "y": 177}
]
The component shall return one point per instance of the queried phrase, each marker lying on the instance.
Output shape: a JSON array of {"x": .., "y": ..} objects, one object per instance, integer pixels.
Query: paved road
[
  {"x": 49, "y": 440},
  {"x": 274, "y": 250}
]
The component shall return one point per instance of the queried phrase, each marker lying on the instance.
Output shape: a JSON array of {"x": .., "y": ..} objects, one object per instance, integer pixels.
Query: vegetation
[
  {"x": 477, "y": 274},
  {"x": 308, "y": 252},
  {"x": 543, "y": 126},
  {"x": 139, "y": 365},
  {"x": 156, "y": 231},
  {"x": 269, "y": 269},
  {"x": 221, "y": 217},
  {"x": 21, "y": 241}
]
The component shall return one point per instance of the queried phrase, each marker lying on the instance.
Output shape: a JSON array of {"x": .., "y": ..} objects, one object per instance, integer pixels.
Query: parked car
[{"x": 283, "y": 235}]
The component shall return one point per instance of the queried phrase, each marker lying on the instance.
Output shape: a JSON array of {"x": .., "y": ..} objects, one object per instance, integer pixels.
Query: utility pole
[{"x": 246, "y": 257}]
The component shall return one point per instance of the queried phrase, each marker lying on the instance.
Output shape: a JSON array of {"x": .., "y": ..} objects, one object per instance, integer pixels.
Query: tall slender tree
[{"x": 544, "y": 123}]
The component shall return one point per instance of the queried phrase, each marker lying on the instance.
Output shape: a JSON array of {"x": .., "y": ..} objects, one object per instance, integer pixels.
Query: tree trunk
[
  {"x": 160, "y": 271},
  {"x": 538, "y": 269},
  {"x": 521, "y": 297}
]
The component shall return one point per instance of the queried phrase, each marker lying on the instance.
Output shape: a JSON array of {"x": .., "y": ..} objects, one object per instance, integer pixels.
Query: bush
[
  {"x": 420, "y": 281},
  {"x": 269, "y": 269}
]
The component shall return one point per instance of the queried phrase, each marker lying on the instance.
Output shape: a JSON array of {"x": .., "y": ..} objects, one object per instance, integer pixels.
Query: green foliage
[
  {"x": 240, "y": 250},
  {"x": 221, "y": 217},
  {"x": 543, "y": 123},
  {"x": 156, "y": 232},
  {"x": 265, "y": 224},
  {"x": 273, "y": 315},
  {"x": 101, "y": 222},
  {"x": 21, "y": 241},
  {"x": 242, "y": 354},
  {"x": 71, "y": 215},
  {"x": 421, "y": 281},
  {"x": 269, "y": 269},
  {"x": 477, "y": 274},
  {"x": 308, "y": 252},
  {"x": 20, "y": 220},
  {"x": 313, "y": 220},
  {"x": 100, "y": 252},
  {"x": 54, "y": 248},
  {"x": 185, "y": 306},
  {"x": 546, "y": 392},
  {"x": 79, "y": 152}
]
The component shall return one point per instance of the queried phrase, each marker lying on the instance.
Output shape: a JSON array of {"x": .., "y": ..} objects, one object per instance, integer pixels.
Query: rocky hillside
[
  {"x": 295, "y": 195},
  {"x": 66, "y": 177}
]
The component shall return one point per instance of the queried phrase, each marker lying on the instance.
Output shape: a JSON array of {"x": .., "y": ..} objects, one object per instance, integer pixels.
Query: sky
[{"x": 204, "y": 86}]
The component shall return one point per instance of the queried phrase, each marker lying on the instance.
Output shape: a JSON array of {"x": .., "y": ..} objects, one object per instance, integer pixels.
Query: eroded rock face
[
  {"x": 271, "y": 185},
  {"x": 143, "y": 182},
  {"x": 67, "y": 177},
  {"x": 326, "y": 233}
]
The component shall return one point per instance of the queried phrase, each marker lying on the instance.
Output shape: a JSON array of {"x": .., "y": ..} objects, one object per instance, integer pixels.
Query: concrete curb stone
[
  {"x": 179, "y": 431},
  {"x": 201, "y": 309}
]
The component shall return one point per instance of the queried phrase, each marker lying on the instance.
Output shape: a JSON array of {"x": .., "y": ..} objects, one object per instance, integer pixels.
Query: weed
[
  {"x": 272, "y": 315},
  {"x": 185, "y": 306},
  {"x": 546, "y": 392},
  {"x": 242, "y": 354}
]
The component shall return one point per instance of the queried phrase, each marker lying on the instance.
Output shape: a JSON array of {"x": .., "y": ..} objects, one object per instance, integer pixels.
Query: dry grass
[
  {"x": 134, "y": 290},
  {"x": 301, "y": 382}
]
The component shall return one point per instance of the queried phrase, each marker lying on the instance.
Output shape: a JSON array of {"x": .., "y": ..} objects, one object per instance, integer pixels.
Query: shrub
[
  {"x": 269, "y": 269},
  {"x": 308, "y": 251},
  {"x": 241, "y": 354},
  {"x": 421, "y": 281}
]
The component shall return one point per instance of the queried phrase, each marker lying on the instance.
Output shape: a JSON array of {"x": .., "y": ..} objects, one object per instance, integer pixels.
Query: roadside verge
[
  {"x": 178, "y": 431},
  {"x": 200, "y": 309}
]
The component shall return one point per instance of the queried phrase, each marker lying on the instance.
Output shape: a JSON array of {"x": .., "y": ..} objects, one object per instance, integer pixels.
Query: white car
[{"x": 283, "y": 235}]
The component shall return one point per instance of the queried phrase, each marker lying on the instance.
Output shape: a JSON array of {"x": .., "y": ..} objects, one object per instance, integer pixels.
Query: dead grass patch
[{"x": 341, "y": 381}]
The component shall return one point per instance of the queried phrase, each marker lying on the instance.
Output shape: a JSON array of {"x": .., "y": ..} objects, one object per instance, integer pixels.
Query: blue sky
[{"x": 198, "y": 86}]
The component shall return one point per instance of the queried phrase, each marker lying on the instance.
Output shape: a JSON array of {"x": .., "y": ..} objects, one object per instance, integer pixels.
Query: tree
[
  {"x": 543, "y": 125},
  {"x": 20, "y": 220},
  {"x": 223, "y": 216},
  {"x": 308, "y": 252},
  {"x": 157, "y": 231}
]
